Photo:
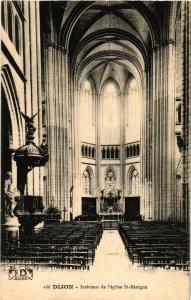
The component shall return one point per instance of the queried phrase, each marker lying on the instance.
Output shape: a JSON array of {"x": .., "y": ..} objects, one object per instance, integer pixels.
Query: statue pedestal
[{"x": 11, "y": 223}]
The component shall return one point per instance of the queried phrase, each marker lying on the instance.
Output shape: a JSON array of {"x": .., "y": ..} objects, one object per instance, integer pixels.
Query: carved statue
[
  {"x": 30, "y": 126},
  {"x": 180, "y": 142},
  {"x": 29, "y": 120},
  {"x": 52, "y": 202},
  {"x": 118, "y": 193},
  {"x": 10, "y": 194},
  {"x": 71, "y": 195},
  {"x": 102, "y": 193},
  {"x": 44, "y": 147}
]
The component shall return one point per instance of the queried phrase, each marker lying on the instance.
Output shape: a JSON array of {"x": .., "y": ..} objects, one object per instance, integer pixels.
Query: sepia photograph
[{"x": 95, "y": 150}]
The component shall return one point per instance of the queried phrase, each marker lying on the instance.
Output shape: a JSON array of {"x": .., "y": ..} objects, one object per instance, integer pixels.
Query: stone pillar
[
  {"x": 76, "y": 208},
  {"x": 97, "y": 186},
  {"x": 186, "y": 49},
  {"x": 146, "y": 207},
  {"x": 70, "y": 133},
  {"x": 98, "y": 148},
  {"x": 33, "y": 99},
  {"x": 123, "y": 175},
  {"x": 58, "y": 128},
  {"x": 163, "y": 160}
]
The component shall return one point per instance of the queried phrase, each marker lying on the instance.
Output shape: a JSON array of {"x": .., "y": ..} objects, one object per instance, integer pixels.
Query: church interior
[{"x": 95, "y": 131}]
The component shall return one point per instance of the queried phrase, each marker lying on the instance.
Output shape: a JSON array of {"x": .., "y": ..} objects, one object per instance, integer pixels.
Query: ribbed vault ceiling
[{"x": 109, "y": 38}]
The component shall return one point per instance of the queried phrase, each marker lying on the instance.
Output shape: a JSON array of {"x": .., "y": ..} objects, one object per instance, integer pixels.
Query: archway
[
  {"x": 11, "y": 129},
  {"x": 6, "y": 142}
]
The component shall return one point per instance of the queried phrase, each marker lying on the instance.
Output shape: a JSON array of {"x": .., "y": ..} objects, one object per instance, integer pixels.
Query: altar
[
  {"x": 117, "y": 216},
  {"x": 111, "y": 212}
]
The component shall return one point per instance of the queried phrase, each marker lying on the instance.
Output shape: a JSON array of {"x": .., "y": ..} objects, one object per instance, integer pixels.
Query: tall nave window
[
  {"x": 88, "y": 102},
  {"x": 10, "y": 21},
  {"x": 110, "y": 114},
  {"x": 3, "y": 14},
  {"x": 87, "y": 113},
  {"x": 17, "y": 35}
]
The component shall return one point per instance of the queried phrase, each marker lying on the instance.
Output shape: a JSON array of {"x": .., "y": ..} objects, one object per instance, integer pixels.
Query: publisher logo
[{"x": 20, "y": 273}]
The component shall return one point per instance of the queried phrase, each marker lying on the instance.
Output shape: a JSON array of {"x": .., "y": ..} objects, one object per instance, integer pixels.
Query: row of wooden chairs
[
  {"x": 68, "y": 245},
  {"x": 156, "y": 244}
]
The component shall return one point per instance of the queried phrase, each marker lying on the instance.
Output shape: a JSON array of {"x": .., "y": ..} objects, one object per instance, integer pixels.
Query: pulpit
[{"x": 29, "y": 208}]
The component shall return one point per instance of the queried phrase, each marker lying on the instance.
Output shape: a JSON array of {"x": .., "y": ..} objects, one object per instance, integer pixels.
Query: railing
[{"x": 110, "y": 224}]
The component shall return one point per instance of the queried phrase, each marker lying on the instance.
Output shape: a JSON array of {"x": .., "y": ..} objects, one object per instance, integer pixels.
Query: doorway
[
  {"x": 132, "y": 208},
  {"x": 88, "y": 206}
]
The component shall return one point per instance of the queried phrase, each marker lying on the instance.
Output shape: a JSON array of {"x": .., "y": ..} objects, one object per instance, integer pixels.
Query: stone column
[
  {"x": 146, "y": 207},
  {"x": 33, "y": 101},
  {"x": 58, "y": 128},
  {"x": 123, "y": 175},
  {"x": 76, "y": 209},
  {"x": 97, "y": 186},
  {"x": 98, "y": 148},
  {"x": 186, "y": 49},
  {"x": 163, "y": 160}
]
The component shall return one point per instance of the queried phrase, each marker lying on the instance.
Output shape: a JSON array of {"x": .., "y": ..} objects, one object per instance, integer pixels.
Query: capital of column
[
  {"x": 163, "y": 44},
  {"x": 74, "y": 69},
  {"x": 57, "y": 47}
]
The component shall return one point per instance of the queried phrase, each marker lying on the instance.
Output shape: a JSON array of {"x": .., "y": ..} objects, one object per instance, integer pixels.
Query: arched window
[
  {"x": 10, "y": 21},
  {"x": 133, "y": 182},
  {"x": 127, "y": 151},
  {"x": 112, "y": 152},
  {"x": 87, "y": 87},
  {"x": 17, "y": 35},
  {"x": 103, "y": 153},
  {"x": 108, "y": 152},
  {"x": 89, "y": 152},
  {"x": 178, "y": 114},
  {"x": 87, "y": 113},
  {"x": 138, "y": 149},
  {"x": 130, "y": 151},
  {"x": 116, "y": 152},
  {"x": 86, "y": 151},
  {"x": 93, "y": 152},
  {"x": 132, "y": 111},
  {"x": 134, "y": 150},
  {"x": 109, "y": 114},
  {"x": 86, "y": 183},
  {"x": 82, "y": 150},
  {"x": 3, "y": 14}
]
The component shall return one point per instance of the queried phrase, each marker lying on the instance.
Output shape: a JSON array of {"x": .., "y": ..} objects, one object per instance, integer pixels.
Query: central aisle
[{"x": 111, "y": 255}]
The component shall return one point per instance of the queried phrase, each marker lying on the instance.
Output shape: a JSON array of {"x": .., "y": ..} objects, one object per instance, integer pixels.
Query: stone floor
[{"x": 111, "y": 277}]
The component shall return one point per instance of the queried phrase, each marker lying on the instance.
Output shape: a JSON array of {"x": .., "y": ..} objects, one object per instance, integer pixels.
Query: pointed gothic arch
[
  {"x": 110, "y": 180},
  {"x": 133, "y": 181},
  {"x": 88, "y": 182},
  {"x": 9, "y": 89}
]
